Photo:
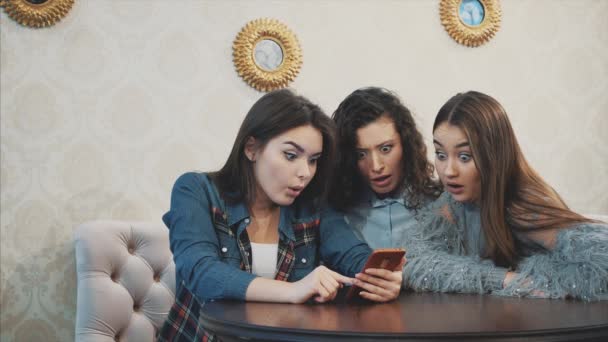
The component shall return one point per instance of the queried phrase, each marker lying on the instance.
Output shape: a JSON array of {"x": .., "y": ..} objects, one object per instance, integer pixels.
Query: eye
[
  {"x": 290, "y": 155},
  {"x": 361, "y": 155},
  {"x": 465, "y": 157},
  {"x": 440, "y": 155},
  {"x": 386, "y": 148},
  {"x": 314, "y": 160}
]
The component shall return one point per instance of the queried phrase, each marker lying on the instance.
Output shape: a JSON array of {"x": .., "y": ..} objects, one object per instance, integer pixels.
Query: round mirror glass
[
  {"x": 268, "y": 54},
  {"x": 471, "y": 12}
]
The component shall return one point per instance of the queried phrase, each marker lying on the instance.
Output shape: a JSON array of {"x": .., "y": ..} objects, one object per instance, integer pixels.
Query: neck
[
  {"x": 263, "y": 209},
  {"x": 264, "y": 223}
]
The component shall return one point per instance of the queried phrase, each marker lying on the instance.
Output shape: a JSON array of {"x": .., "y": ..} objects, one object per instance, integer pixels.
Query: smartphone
[{"x": 386, "y": 258}]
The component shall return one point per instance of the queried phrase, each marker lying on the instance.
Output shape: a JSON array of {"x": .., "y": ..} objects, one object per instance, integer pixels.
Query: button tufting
[
  {"x": 135, "y": 307},
  {"x": 157, "y": 278},
  {"x": 113, "y": 276},
  {"x": 131, "y": 250}
]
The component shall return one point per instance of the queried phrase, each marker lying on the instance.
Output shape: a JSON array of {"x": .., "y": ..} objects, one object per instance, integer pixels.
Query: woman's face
[
  {"x": 379, "y": 154},
  {"x": 285, "y": 166},
  {"x": 454, "y": 163}
]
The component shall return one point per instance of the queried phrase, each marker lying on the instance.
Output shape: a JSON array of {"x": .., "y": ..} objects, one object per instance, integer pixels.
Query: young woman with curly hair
[{"x": 383, "y": 176}]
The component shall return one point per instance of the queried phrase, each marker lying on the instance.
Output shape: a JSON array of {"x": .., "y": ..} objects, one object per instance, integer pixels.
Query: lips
[
  {"x": 381, "y": 181},
  {"x": 454, "y": 188},
  {"x": 294, "y": 191}
]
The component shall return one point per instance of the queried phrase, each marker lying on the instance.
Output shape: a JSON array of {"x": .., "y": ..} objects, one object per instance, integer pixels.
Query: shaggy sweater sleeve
[
  {"x": 437, "y": 259},
  {"x": 576, "y": 267}
]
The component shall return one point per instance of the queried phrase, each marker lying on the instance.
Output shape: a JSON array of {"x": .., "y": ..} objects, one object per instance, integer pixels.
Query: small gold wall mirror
[
  {"x": 36, "y": 13},
  {"x": 470, "y": 22},
  {"x": 267, "y": 54}
]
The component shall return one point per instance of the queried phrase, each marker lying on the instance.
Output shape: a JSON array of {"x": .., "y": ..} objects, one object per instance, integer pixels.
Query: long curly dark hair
[{"x": 359, "y": 109}]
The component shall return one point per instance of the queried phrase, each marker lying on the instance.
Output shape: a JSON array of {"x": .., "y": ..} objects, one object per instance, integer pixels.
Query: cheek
[
  {"x": 439, "y": 167},
  {"x": 396, "y": 157},
  {"x": 271, "y": 170},
  {"x": 473, "y": 175},
  {"x": 396, "y": 162}
]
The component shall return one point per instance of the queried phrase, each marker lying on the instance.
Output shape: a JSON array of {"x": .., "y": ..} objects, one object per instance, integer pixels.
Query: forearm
[
  {"x": 577, "y": 267},
  {"x": 340, "y": 249},
  {"x": 270, "y": 290},
  {"x": 443, "y": 272}
]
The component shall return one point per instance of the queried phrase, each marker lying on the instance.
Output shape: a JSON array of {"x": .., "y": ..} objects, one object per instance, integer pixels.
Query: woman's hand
[
  {"x": 380, "y": 285},
  {"x": 322, "y": 284},
  {"x": 508, "y": 278},
  {"x": 526, "y": 283}
]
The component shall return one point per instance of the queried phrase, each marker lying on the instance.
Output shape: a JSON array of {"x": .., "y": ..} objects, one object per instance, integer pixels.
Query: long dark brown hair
[
  {"x": 513, "y": 196},
  {"x": 273, "y": 114},
  {"x": 359, "y": 109}
]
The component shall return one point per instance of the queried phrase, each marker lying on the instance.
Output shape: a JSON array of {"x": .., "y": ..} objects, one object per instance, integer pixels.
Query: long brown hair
[
  {"x": 272, "y": 115},
  {"x": 513, "y": 196},
  {"x": 359, "y": 109}
]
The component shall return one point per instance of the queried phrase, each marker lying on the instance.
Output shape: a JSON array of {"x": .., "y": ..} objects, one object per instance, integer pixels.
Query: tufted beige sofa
[{"x": 126, "y": 280}]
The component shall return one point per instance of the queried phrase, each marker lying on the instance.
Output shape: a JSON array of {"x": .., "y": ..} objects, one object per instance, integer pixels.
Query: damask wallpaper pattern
[{"x": 100, "y": 113}]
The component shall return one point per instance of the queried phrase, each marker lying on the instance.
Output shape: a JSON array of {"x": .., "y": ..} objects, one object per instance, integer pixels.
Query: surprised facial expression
[
  {"x": 454, "y": 163},
  {"x": 379, "y": 155},
  {"x": 285, "y": 165}
]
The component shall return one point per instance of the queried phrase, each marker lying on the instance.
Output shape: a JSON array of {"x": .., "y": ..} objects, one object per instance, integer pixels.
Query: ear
[{"x": 251, "y": 149}]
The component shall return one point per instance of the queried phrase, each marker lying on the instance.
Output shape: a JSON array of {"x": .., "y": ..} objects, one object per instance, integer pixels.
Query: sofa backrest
[{"x": 126, "y": 280}]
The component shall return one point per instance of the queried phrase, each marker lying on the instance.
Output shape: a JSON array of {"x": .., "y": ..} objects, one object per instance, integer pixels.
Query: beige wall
[{"x": 100, "y": 113}]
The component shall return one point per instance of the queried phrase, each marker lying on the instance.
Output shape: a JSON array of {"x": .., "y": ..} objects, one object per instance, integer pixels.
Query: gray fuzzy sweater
[{"x": 444, "y": 255}]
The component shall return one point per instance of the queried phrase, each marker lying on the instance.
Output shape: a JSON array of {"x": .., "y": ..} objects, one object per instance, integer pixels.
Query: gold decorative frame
[
  {"x": 464, "y": 34},
  {"x": 31, "y": 14},
  {"x": 243, "y": 50}
]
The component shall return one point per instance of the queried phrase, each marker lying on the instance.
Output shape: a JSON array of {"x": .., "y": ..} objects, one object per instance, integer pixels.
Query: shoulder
[
  {"x": 196, "y": 184},
  {"x": 592, "y": 231},
  {"x": 191, "y": 179},
  {"x": 445, "y": 206}
]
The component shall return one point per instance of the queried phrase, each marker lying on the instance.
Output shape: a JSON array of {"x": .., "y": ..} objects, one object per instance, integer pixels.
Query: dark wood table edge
[{"x": 241, "y": 331}]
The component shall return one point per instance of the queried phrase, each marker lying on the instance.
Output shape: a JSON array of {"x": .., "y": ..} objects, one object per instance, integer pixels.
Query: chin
[
  {"x": 284, "y": 201},
  {"x": 462, "y": 198}
]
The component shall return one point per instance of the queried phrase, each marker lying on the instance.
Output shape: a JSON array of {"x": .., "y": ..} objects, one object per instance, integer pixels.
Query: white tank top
[{"x": 264, "y": 259}]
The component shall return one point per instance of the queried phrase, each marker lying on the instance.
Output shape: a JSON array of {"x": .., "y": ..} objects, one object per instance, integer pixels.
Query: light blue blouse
[{"x": 382, "y": 223}]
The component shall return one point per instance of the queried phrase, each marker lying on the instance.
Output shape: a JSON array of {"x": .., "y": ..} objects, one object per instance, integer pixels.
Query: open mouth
[
  {"x": 381, "y": 181},
  {"x": 295, "y": 190},
  {"x": 454, "y": 188}
]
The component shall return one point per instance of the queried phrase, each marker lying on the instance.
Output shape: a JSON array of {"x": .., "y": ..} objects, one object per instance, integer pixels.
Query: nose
[
  {"x": 377, "y": 163},
  {"x": 304, "y": 170},
  {"x": 451, "y": 169}
]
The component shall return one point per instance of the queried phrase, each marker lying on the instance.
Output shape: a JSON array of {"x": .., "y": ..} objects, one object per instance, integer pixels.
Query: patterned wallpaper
[{"x": 101, "y": 112}]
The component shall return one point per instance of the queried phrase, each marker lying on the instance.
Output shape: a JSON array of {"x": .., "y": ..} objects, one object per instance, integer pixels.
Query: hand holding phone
[{"x": 385, "y": 258}]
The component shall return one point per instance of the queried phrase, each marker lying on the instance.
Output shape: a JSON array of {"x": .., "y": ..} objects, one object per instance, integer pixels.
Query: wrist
[
  {"x": 508, "y": 279},
  {"x": 290, "y": 292}
]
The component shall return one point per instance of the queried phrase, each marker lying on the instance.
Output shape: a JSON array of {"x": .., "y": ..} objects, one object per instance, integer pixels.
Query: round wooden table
[{"x": 413, "y": 317}]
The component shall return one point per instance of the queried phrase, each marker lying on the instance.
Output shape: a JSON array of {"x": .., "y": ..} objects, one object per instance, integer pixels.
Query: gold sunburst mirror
[
  {"x": 37, "y": 13},
  {"x": 470, "y": 22},
  {"x": 267, "y": 54}
]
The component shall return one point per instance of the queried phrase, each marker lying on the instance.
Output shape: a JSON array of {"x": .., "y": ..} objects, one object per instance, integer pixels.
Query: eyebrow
[
  {"x": 462, "y": 144},
  {"x": 300, "y": 148}
]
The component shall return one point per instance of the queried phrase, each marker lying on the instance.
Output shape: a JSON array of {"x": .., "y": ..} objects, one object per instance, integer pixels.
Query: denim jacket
[{"x": 211, "y": 247}]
